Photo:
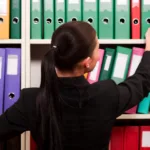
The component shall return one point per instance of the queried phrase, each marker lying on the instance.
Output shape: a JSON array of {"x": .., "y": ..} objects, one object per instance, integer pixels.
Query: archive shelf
[
  {"x": 134, "y": 116},
  {"x": 11, "y": 41},
  {"x": 101, "y": 41}
]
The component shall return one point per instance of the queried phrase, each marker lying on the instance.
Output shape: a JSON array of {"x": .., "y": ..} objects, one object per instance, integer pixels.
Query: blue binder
[
  {"x": 2, "y": 72},
  {"x": 12, "y": 76}
]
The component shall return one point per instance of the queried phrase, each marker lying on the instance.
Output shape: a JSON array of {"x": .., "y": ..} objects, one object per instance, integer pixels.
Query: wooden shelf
[
  {"x": 11, "y": 41},
  {"x": 101, "y": 41},
  {"x": 134, "y": 116}
]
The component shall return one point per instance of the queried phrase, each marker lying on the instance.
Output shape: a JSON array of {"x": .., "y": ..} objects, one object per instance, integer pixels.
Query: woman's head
[{"x": 76, "y": 47}]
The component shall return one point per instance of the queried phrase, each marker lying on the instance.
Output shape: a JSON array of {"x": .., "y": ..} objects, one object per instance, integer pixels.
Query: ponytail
[{"x": 48, "y": 104}]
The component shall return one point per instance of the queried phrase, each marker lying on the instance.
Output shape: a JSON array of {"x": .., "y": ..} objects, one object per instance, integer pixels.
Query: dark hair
[{"x": 71, "y": 43}]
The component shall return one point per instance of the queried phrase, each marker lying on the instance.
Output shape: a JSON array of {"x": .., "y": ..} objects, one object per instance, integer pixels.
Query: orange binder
[
  {"x": 136, "y": 18},
  {"x": 4, "y": 19}
]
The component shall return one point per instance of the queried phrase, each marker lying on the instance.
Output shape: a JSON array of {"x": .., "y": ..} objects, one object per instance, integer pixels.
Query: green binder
[
  {"x": 36, "y": 19},
  {"x": 107, "y": 65},
  {"x": 73, "y": 8},
  {"x": 122, "y": 19},
  {"x": 121, "y": 64},
  {"x": 106, "y": 19},
  {"x": 15, "y": 19},
  {"x": 90, "y": 13},
  {"x": 145, "y": 16},
  {"x": 48, "y": 18},
  {"x": 143, "y": 107},
  {"x": 59, "y": 13}
]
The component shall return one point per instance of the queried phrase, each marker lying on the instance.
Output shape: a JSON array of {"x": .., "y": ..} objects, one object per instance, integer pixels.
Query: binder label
[
  {"x": 134, "y": 64},
  {"x": 0, "y": 67},
  {"x": 107, "y": 64},
  {"x": 12, "y": 65},
  {"x": 122, "y": 2},
  {"x": 146, "y": 2},
  {"x": 90, "y": 1},
  {"x": 35, "y": 1},
  {"x": 135, "y": 1},
  {"x": 73, "y": 1},
  {"x": 15, "y": 4},
  {"x": 3, "y": 7},
  {"x": 105, "y": 1},
  {"x": 94, "y": 72},
  {"x": 120, "y": 65},
  {"x": 145, "y": 139},
  {"x": 60, "y": 1}
]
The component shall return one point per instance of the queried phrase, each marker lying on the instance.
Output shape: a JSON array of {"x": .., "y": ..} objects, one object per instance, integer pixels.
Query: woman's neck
[{"x": 74, "y": 73}]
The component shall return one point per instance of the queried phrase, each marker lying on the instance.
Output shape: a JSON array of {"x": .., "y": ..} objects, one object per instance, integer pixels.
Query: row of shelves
[{"x": 101, "y": 41}]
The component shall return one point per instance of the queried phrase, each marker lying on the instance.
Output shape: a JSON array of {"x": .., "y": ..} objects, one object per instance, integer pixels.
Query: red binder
[
  {"x": 131, "y": 138},
  {"x": 117, "y": 138},
  {"x": 32, "y": 144},
  {"x": 136, "y": 18},
  {"x": 144, "y": 137}
]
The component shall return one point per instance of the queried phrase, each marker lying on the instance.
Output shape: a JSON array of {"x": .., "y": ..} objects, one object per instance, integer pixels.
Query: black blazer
[{"x": 89, "y": 110}]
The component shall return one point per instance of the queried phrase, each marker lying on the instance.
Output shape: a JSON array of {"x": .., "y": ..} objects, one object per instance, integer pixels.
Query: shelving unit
[{"x": 27, "y": 44}]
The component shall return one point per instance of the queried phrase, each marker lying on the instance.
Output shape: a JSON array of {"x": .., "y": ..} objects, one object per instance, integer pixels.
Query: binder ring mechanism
[
  {"x": 148, "y": 20},
  {"x": 90, "y": 20},
  {"x": 11, "y": 95},
  {"x": 15, "y": 20},
  {"x": 105, "y": 20},
  {"x": 36, "y": 20},
  {"x": 136, "y": 21},
  {"x": 74, "y": 19},
  {"x": 60, "y": 20},
  {"x": 122, "y": 20},
  {"x": 1, "y": 20},
  {"x": 49, "y": 20}
]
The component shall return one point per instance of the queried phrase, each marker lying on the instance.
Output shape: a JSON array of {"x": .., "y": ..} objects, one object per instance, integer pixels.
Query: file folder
[
  {"x": 2, "y": 77},
  {"x": 136, "y": 18},
  {"x": 36, "y": 19},
  {"x": 131, "y": 138},
  {"x": 12, "y": 76},
  {"x": 4, "y": 19},
  {"x": 15, "y": 19},
  {"x": 94, "y": 75},
  {"x": 48, "y": 18},
  {"x": 60, "y": 17},
  {"x": 143, "y": 107},
  {"x": 145, "y": 24},
  {"x": 73, "y": 8},
  {"x": 121, "y": 64},
  {"x": 122, "y": 19},
  {"x": 117, "y": 138},
  {"x": 144, "y": 138},
  {"x": 106, "y": 19},
  {"x": 137, "y": 54},
  {"x": 90, "y": 13},
  {"x": 107, "y": 64},
  {"x": 33, "y": 145}
]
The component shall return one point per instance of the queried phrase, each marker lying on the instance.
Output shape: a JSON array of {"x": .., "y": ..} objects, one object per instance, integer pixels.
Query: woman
[{"x": 67, "y": 112}]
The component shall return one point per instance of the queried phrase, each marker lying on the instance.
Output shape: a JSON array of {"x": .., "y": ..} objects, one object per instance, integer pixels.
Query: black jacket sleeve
[
  {"x": 135, "y": 88},
  {"x": 13, "y": 121}
]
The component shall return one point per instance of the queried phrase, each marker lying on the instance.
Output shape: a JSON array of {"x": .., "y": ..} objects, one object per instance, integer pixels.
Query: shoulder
[{"x": 28, "y": 95}]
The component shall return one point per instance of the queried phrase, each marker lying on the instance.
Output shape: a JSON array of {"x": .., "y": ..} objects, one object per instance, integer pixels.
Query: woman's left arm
[{"x": 13, "y": 121}]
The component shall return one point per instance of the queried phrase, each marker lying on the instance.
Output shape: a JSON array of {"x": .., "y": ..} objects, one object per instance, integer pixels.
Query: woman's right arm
[{"x": 135, "y": 88}]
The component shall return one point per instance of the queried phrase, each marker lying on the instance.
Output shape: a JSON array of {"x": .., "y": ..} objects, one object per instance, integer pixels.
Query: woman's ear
[{"x": 87, "y": 61}]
